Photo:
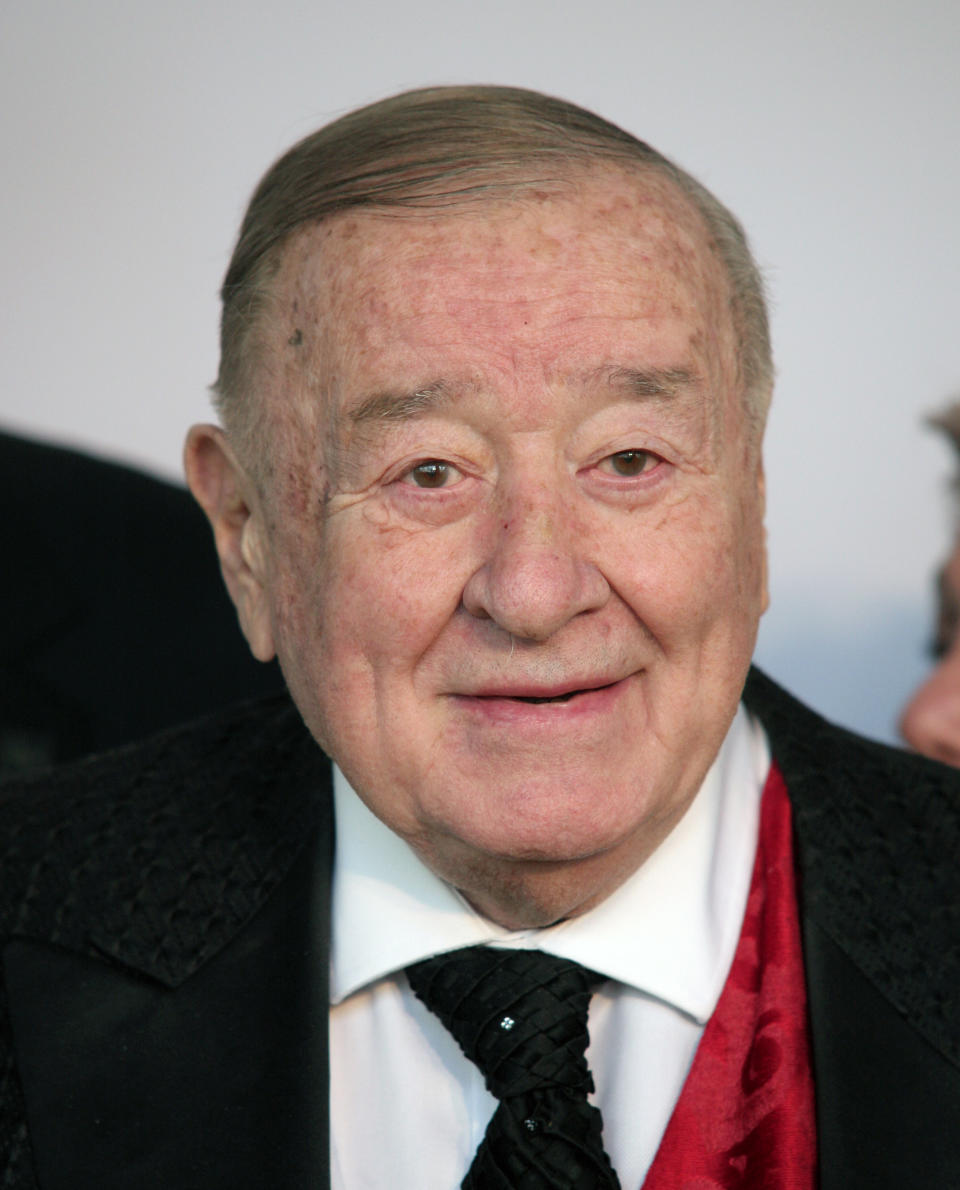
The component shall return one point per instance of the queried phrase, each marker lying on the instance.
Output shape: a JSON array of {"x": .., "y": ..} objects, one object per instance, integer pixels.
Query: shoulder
[
  {"x": 220, "y": 801},
  {"x": 878, "y": 839},
  {"x": 835, "y": 774}
]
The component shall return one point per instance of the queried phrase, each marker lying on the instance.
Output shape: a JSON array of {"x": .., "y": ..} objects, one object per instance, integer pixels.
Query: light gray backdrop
[{"x": 132, "y": 133}]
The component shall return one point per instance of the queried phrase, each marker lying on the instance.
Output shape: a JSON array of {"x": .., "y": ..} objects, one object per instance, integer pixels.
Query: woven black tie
[{"x": 521, "y": 1017}]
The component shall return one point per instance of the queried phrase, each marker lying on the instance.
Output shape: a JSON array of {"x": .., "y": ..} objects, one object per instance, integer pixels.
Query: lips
[
  {"x": 539, "y": 711},
  {"x": 539, "y": 695}
]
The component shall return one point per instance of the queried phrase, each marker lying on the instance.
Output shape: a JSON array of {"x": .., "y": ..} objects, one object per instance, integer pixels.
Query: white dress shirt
[{"x": 408, "y": 1110}]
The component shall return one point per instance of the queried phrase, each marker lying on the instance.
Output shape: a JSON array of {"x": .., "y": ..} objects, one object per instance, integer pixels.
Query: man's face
[
  {"x": 931, "y": 719},
  {"x": 513, "y": 540}
]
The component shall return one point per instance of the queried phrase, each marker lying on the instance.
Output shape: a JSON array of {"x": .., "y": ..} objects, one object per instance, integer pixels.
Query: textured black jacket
[{"x": 165, "y": 922}]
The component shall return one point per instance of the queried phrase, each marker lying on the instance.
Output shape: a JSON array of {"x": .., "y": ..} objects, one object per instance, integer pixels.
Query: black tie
[{"x": 521, "y": 1017}]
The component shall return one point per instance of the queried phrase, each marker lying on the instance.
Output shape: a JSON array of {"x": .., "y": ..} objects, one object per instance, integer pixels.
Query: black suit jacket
[
  {"x": 165, "y": 921},
  {"x": 114, "y": 621}
]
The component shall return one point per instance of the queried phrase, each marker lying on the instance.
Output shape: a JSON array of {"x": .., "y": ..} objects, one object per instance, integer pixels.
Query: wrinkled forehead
[{"x": 347, "y": 285}]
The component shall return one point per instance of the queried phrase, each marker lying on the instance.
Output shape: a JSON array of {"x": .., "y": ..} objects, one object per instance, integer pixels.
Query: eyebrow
[
  {"x": 400, "y": 406},
  {"x": 649, "y": 382}
]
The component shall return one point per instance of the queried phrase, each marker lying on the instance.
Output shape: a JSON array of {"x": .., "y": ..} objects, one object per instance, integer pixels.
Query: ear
[{"x": 228, "y": 496}]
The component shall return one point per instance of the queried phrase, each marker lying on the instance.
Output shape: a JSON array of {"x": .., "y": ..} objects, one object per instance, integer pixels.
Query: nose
[
  {"x": 538, "y": 574},
  {"x": 930, "y": 722}
]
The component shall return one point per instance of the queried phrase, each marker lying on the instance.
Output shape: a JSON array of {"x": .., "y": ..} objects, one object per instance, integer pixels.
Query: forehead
[{"x": 544, "y": 282}]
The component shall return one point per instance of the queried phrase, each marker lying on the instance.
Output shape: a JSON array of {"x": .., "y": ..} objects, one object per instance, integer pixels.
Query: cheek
[
  {"x": 296, "y": 622},
  {"x": 373, "y": 599},
  {"x": 687, "y": 573}
]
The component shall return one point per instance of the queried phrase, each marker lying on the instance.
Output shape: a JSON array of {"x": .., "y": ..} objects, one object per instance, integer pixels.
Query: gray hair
[{"x": 440, "y": 147}]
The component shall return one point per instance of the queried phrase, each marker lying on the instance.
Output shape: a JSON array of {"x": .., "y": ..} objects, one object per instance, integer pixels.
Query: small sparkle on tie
[
  {"x": 507, "y": 1024},
  {"x": 531, "y": 1125}
]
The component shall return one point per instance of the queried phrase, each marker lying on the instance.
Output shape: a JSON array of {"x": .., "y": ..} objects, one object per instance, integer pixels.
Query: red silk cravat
[{"x": 745, "y": 1117}]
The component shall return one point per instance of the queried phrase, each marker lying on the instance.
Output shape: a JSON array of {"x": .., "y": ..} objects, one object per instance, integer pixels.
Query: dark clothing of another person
[{"x": 114, "y": 621}]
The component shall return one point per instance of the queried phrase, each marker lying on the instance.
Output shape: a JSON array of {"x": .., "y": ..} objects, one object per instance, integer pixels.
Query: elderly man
[
  {"x": 528, "y": 903},
  {"x": 931, "y": 719}
]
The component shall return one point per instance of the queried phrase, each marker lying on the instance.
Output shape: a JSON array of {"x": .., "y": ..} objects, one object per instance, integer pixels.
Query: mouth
[
  {"x": 560, "y": 696},
  {"x": 565, "y": 697},
  {"x": 538, "y": 708}
]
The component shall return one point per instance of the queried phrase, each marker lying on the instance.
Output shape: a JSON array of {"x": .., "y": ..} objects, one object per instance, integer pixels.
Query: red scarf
[{"x": 745, "y": 1117}]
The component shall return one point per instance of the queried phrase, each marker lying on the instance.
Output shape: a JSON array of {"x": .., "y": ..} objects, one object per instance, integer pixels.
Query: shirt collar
[{"x": 670, "y": 931}]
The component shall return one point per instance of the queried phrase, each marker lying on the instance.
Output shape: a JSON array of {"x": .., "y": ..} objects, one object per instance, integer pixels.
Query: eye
[
  {"x": 629, "y": 463},
  {"x": 432, "y": 473}
]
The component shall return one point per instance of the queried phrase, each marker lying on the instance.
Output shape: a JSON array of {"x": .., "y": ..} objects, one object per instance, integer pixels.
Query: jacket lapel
[
  {"x": 224, "y": 1077},
  {"x": 876, "y": 907},
  {"x": 887, "y": 1102}
]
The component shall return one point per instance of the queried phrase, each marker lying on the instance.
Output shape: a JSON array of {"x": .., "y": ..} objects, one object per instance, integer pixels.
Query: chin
[
  {"x": 537, "y": 889},
  {"x": 550, "y": 842}
]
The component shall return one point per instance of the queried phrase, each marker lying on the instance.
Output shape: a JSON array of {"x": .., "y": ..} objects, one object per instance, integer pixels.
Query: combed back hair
[{"x": 433, "y": 149}]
